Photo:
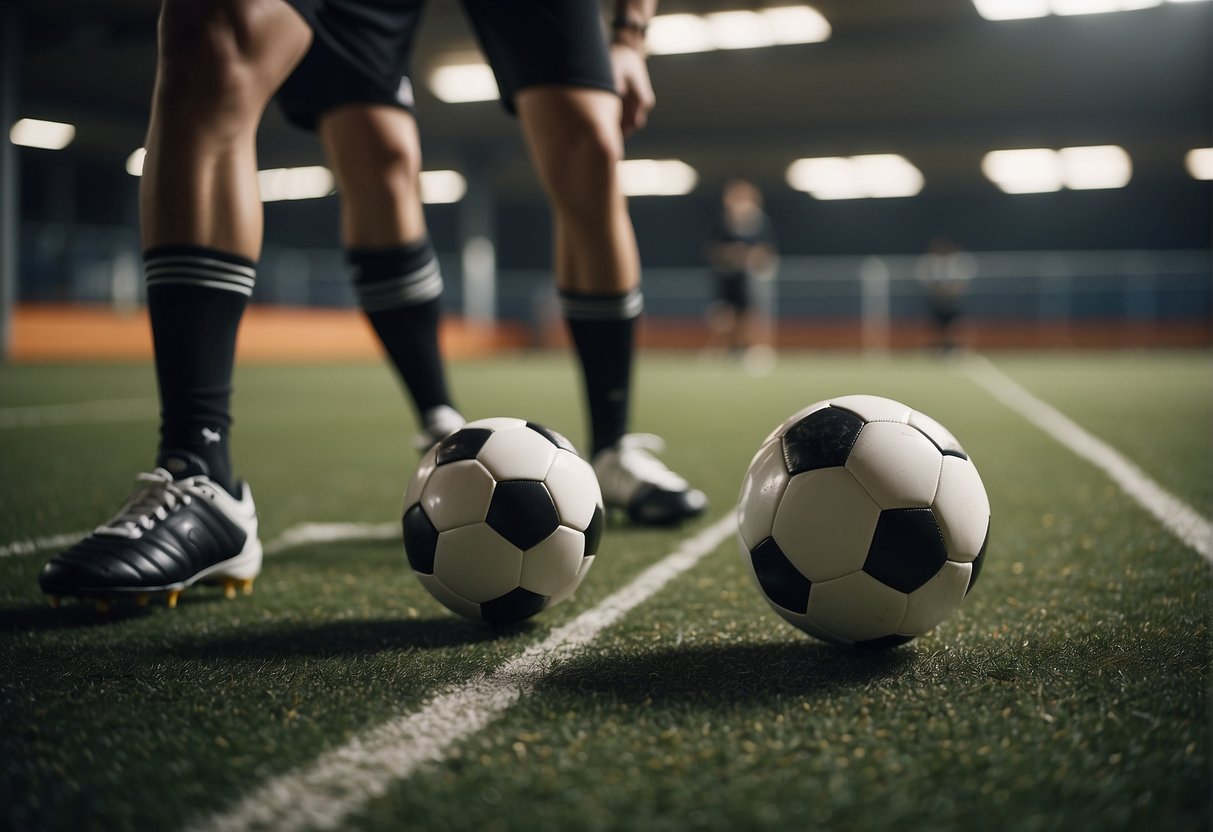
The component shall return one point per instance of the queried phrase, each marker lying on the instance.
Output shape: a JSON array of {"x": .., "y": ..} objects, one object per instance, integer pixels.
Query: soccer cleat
[
  {"x": 169, "y": 535},
  {"x": 440, "y": 422},
  {"x": 635, "y": 481}
]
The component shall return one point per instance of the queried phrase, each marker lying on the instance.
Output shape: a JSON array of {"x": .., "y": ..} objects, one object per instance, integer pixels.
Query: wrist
[{"x": 628, "y": 30}]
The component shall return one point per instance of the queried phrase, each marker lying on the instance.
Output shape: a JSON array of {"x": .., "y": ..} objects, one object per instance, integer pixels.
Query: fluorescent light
[
  {"x": 738, "y": 30},
  {"x": 441, "y": 187},
  {"x": 1011, "y": 9},
  {"x": 1019, "y": 9},
  {"x": 437, "y": 186},
  {"x": 875, "y": 176},
  {"x": 134, "y": 162},
  {"x": 1199, "y": 162},
  {"x": 673, "y": 34},
  {"x": 45, "y": 135},
  {"x": 1070, "y": 7},
  {"x": 1101, "y": 166},
  {"x": 656, "y": 177},
  {"x": 886, "y": 175},
  {"x": 796, "y": 24},
  {"x": 829, "y": 177},
  {"x": 463, "y": 83},
  {"x": 295, "y": 183},
  {"x": 1027, "y": 171},
  {"x": 1043, "y": 170}
]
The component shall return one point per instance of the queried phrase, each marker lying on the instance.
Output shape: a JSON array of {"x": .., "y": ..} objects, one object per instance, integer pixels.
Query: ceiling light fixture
[{"x": 44, "y": 135}]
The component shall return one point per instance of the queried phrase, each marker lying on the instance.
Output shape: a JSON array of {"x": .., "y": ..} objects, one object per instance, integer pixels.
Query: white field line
[
  {"x": 1182, "y": 520},
  {"x": 37, "y": 544},
  {"x": 102, "y": 411},
  {"x": 305, "y": 534},
  {"x": 302, "y": 534},
  {"x": 323, "y": 794}
]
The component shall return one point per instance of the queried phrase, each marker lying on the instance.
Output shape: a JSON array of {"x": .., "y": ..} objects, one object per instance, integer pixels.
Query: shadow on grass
[
  {"x": 79, "y": 613},
  {"x": 726, "y": 673},
  {"x": 70, "y": 616},
  {"x": 346, "y": 637}
]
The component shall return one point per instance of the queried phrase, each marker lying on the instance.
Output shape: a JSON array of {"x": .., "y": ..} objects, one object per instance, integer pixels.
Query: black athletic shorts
[
  {"x": 361, "y": 49},
  {"x": 734, "y": 289}
]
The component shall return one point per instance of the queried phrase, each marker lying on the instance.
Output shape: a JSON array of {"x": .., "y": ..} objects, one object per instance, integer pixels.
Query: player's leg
[
  {"x": 376, "y": 154},
  {"x": 575, "y": 142},
  {"x": 219, "y": 61}
]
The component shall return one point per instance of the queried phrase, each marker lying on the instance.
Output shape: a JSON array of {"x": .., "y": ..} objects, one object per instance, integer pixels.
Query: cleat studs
[
  {"x": 141, "y": 599},
  {"x": 55, "y": 601},
  {"x": 246, "y": 586},
  {"x": 229, "y": 588},
  {"x": 103, "y": 605},
  {"x": 171, "y": 600}
]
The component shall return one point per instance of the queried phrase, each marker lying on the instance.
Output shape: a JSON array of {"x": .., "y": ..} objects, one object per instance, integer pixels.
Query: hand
[{"x": 633, "y": 84}]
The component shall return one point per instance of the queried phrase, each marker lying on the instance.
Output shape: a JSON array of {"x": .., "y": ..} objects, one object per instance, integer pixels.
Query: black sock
[
  {"x": 400, "y": 290},
  {"x": 195, "y": 298},
  {"x": 603, "y": 327}
]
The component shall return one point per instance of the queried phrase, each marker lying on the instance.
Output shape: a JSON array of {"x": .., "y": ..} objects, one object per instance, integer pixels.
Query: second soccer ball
[{"x": 502, "y": 519}]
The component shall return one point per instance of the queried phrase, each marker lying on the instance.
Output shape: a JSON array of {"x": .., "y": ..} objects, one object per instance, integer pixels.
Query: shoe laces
[
  {"x": 151, "y": 503},
  {"x": 634, "y": 457}
]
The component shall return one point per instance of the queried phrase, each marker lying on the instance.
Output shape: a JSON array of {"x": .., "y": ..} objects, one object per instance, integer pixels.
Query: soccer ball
[
  {"x": 502, "y": 519},
  {"x": 863, "y": 521}
]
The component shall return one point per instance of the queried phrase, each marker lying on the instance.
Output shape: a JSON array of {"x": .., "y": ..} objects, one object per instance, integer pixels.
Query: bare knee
[
  {"x": 375, "y": 151},
  {"x": 220, "y": 61},
  {"x": 579, "y": 170}
]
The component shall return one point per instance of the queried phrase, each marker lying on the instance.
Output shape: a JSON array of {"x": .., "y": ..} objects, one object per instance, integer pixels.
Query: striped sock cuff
[
  {"x": 199, "y": 266},
  {"x": 391, "y": 278},
  {"x": 578, "y": 306}
]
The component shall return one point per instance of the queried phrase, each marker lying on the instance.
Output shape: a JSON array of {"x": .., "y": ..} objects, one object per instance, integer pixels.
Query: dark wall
[{"x": 1151, "y": 213}]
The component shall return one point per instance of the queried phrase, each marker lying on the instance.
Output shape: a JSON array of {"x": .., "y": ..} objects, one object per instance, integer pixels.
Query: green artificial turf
[{"x": 1070, "y": 691}]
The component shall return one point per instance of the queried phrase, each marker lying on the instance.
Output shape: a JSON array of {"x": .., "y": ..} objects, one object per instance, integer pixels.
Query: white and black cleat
[
  {"x": 636, "y": 482},
  {"x": 169, "y": 535},
  {"x": 440, "y": 422}
]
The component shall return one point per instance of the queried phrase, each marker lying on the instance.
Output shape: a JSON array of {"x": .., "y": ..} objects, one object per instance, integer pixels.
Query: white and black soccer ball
[
  {"x": 863, "y": 521},
  {"x": 502, "y": 519}
]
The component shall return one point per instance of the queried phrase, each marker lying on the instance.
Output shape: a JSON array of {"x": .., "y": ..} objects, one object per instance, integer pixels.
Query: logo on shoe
[
  {"x": 211, "y": 437},
  {"x": 175, "y": 465}
]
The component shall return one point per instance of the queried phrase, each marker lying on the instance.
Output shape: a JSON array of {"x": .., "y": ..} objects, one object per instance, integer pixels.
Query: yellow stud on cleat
[
  {"x": 141, "y": 599},
  {"x": 171, "y": 600},
  {"x": 55, "y": 600},
  {"x": 103, "y": 605},
  {"x": 229, "y": 588},
  {"x": 246, "y": 586}
]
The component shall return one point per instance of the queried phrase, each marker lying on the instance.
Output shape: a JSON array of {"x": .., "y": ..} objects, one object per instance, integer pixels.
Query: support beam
[
  {"x": 478, "y": 246},
  {"x": 10, "y": 65}
]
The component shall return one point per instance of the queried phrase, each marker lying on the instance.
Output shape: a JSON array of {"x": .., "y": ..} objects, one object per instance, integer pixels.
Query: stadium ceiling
[{"x": 928, "y": 79}]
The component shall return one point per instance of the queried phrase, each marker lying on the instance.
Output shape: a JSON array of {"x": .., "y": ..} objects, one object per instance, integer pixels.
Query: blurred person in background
[
  {"x": 743, "y": 257},
  {"x": 944, "y": 273},
  {"x": 342, "y": 67}
]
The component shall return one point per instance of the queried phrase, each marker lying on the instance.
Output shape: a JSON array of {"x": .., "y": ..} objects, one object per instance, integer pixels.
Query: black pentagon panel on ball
[
  {"x": 593, "y": 532},
  {"x": 781, "y": 581},
  {"x": 978, "y": 561},
  {"x": 515, "y": 605},
  {"x": 884, "y": 642},
  {"x": 907, "y": 548},
  {"x": 823, "y": 439},
  {"x": 522, "y": 512},
  {"x": 420, "y": 540},
  {"x": 462, "y": 444},
  {"x": 555, "y": 438}
]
